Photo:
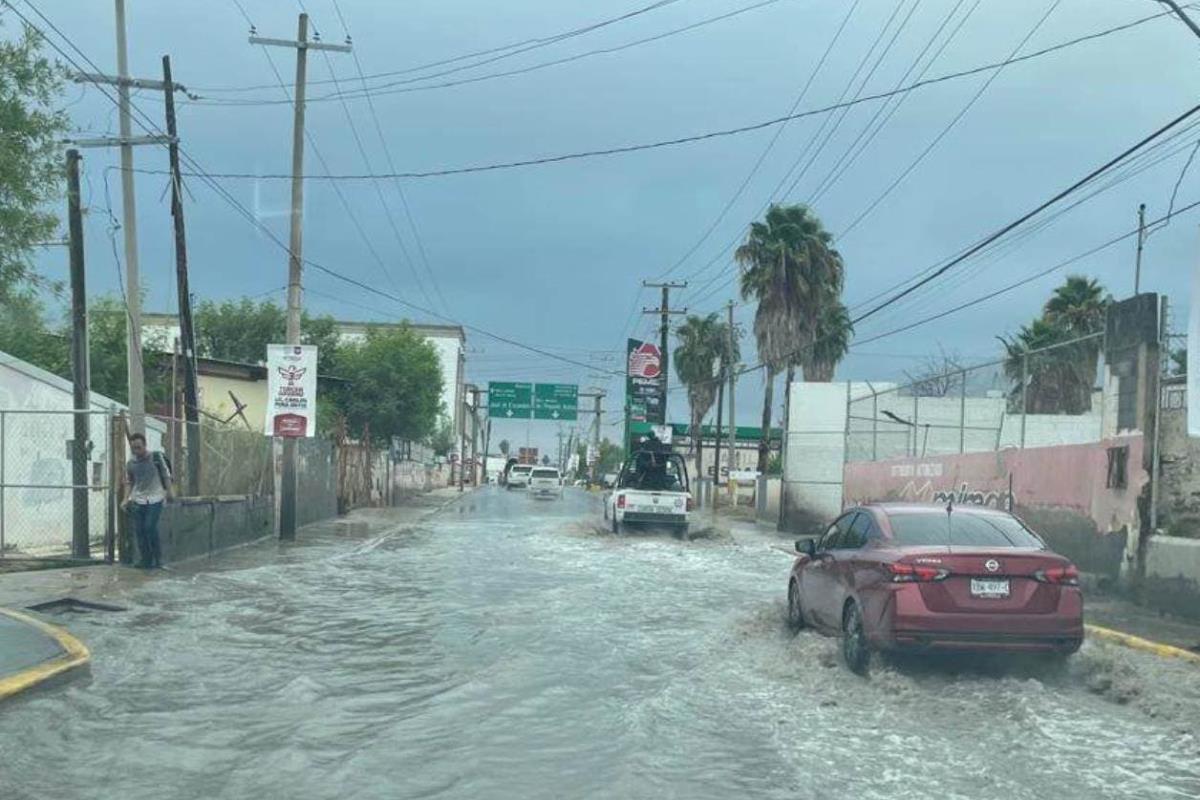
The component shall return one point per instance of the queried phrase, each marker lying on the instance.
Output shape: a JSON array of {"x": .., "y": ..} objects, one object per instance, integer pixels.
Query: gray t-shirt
[{"x": 146, "y": 485}]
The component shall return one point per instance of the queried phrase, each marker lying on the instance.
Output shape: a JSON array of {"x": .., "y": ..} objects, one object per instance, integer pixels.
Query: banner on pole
[{"x": 291, "y": 390}]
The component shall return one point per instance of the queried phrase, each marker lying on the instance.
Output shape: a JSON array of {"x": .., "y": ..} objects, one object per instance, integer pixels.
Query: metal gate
[{"x": 44, "y": 512}]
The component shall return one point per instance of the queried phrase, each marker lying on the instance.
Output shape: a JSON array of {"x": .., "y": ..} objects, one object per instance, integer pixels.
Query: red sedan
[{"x": 903, "y": 577}]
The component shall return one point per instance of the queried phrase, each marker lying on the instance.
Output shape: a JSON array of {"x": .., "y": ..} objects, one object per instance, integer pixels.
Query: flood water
[{"x": 508, "y": 648}]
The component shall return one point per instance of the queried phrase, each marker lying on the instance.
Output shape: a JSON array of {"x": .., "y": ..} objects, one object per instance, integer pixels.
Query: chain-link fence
[{"x": 1036, "y": 397}]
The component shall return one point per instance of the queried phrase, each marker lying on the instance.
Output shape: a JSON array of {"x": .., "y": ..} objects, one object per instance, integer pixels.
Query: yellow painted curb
[
  {"x": 75, "y": 654},
  {"x": 1138, "y": 643}
]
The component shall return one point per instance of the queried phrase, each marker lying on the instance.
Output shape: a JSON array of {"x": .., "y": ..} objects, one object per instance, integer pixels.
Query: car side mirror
[{"x": 806, "y": 547}]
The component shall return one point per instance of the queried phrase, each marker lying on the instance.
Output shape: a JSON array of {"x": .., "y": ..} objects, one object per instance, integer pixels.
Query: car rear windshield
[
  {"x": 521, "y": 469},
  {"x": 545, "y": 473},
  {"x": 963, "y": 530}
]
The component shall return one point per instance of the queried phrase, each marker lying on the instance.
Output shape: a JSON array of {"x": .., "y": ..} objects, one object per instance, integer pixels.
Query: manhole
[{"x": 71, "y": 605}]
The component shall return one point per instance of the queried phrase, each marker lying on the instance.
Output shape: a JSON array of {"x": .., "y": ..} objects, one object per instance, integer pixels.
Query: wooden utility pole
[
  {"x": 287, "y": 488},
  {"x": 79, "y": 365},
  {"x": 1141, "y": 241},
  {"x": 664, "y": 311},
  {"x": 187, "y": 331},
  {"x": 732, "y": 418}
]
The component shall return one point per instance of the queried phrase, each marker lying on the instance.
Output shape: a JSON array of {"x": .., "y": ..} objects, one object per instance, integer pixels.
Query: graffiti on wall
[{"x": 963, "y": 494}]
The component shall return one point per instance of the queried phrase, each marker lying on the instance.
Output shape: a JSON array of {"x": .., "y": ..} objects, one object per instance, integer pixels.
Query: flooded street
[{"x": 506, "y": 647}]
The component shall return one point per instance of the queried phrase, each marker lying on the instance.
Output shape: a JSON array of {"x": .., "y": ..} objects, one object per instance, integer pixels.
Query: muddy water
[{"x": 504, "y": 648}]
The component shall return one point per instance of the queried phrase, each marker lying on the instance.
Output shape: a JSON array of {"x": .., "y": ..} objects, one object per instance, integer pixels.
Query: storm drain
[{"x": 72, "y": 605}]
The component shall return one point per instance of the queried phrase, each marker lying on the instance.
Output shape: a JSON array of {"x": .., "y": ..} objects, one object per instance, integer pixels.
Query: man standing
[{"x": 147, "y": 487}]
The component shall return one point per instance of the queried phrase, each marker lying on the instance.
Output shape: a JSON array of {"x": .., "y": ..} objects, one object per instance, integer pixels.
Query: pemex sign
[{"x": 643, "y": 382}]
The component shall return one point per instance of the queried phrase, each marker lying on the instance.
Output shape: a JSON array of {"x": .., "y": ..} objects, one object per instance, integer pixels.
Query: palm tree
[
  {"x": 792, "y": 270},
  {"x": 831, "y": 341},
  {"x": 697, "y": 357}
]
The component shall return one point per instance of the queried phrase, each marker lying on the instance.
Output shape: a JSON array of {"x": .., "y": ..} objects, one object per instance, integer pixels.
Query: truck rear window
[
  {"x": 545, "y": 473},
  {"x": 963, "y": 530}
]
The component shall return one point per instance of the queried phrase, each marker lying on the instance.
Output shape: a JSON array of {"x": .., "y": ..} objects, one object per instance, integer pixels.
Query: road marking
[
  {"x": 1138, "y": 643},
  {"x": 75, "y": 654}
]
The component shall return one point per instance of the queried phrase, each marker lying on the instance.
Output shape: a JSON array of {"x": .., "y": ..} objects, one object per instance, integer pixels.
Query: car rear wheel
[
  {"x": 795, "y": 612},
  {"x": 856, "y": 651}
]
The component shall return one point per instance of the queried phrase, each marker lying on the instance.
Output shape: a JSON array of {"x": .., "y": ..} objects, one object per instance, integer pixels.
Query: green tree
[
  {"x": 240, "y": 330},
  {"x": 792, "y": 271},
  {"x": 441, "y": 439},
  {"x": 1060, "y": 380},
  {"x": 395, "y": 384},
  {"x": 31, "y": 162},
  {"x": 610, "y": 457},
  {"x": 831, "y": 342},
  {"x": 701, "y": 343}
]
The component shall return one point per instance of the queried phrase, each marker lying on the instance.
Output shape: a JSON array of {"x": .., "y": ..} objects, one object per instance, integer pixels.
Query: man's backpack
[{"x": 165, "y": 471}]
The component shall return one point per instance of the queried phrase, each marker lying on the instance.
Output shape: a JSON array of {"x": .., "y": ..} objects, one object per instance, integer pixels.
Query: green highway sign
[
  {"x": 556, "y": 401},
  {"x": 510, "y": 400}
]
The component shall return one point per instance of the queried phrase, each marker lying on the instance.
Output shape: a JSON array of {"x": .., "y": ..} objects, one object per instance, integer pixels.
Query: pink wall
[{"x": 1067, "y": 478}]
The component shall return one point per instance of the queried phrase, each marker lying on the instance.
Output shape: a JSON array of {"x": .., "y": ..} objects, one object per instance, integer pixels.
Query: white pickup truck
[
  {"x": 518, "y": 477},
  {"x": 652, "y": 490},
  {"x": 545, "y": 482}
]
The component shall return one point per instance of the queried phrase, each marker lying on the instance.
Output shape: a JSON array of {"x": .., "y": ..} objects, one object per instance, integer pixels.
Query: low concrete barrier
[
  {"x": 197, "y": 527},
  {"x": 1172, "y": 580}
]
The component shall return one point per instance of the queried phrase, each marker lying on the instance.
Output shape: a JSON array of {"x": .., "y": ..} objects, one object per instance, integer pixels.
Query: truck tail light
[
  {"x": 690, "y": 503},
  {"x": 620, "y": 501}
]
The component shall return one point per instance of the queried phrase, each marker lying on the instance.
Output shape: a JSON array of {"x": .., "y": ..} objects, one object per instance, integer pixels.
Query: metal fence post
[
  {"x": 1024, "y": 394},
  {"x": 962, "y": 413},
  {"x": 916, "y": 399},
  {"x": 874, "y": 425},
  {"x": 3, "y": 478}
]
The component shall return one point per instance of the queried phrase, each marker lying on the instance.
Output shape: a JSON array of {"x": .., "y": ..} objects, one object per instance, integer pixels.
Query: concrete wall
[
  {"x": 1173, "y": 575},
  {"x": 200, "y": 527},
  {"x": 1179, "y": 454},
  {"x": 1060, "y": 491},
  {"x": 767, "y": 499},
  {"x": 816, "y": 450}
]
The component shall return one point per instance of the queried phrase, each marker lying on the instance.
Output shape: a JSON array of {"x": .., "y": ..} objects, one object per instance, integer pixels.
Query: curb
[
  {"x": 1138, "y": 643},
  {"x": 75, "y": 654}
]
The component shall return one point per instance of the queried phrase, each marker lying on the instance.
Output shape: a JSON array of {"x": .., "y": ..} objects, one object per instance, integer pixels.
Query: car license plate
[
  {"x": 656, "y": 510},
  {"x": 987, "y": 587}
]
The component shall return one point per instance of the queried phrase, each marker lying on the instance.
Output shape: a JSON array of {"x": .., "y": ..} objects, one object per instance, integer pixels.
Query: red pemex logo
[{"x": 645, "y": 361}]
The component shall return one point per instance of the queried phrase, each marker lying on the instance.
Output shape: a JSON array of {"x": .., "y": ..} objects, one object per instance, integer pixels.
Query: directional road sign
[
  {"x": 556, "y": 401},
  {"x": 510, "y": 400}
]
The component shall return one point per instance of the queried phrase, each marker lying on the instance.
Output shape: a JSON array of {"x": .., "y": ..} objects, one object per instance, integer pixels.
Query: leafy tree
[
  {"x": 240, "y": 330},
  {"x": 441, "y": 440},
  {"x": 1061, "y": 380},
  {"x": 31, "y": 162},
  {"x": 505, "y": 447},
  {"x": 610, "y": 457},
  {"x": 545, "y": 460},
  {"x": 696, "y": 364},
  {"x": 25, "y": 333},
  {"x": 1179, "y": 361},
  {"x": 792, "y": 270},
  {"x": 395, "y": 384}
]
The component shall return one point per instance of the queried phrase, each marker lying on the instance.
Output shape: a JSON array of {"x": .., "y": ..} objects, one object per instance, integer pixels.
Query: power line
[
  {"x": 692, "y": 138},
  {"x": 148, "y": 124},
  {"x": 497, "y": 53},
  {"x": 406, "y": 86}
]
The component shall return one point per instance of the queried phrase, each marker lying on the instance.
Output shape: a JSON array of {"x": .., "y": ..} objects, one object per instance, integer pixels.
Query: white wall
[
  {"x": 816, "y": 442},
  {"x": 34, "y": 450}
]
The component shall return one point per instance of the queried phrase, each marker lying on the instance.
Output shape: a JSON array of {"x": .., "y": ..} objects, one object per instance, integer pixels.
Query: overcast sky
[{"x": 553, "y": 255}]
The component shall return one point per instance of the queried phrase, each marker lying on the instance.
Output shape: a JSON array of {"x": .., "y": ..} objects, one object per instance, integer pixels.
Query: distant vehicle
[
  {"x": 652, "y": 488},
  {"x": 545, "y": 482},
  {"x": 580, "y": 482},
  {"x": 609, "y": 479},
  {"x": 518, "y": 476},
  {"x": 909, "y": 577}
]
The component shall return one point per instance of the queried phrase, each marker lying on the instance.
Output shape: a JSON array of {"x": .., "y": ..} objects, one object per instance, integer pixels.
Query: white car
[
  {"x": 545, "y": 482},
  {"x": 518, "y": 476},
  {"x": 652, "y": 489}
]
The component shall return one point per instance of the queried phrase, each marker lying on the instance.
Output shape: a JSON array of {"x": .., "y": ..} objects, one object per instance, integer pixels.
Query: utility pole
[
  {"x": 1137, "y": 270},
  {"x": 732, "y": 418},
  {"x": 664, "y": 311},
  {"x": 133, "y": 285},
  {"x": 1186, "y": 19},
  {"x": 717, "y": 439},
  {"x": 287, "y": 488},
  {"x": 187, "y": 332},
  {"x": 79, "y": 365},
  {"x": 595, "y": 472}
]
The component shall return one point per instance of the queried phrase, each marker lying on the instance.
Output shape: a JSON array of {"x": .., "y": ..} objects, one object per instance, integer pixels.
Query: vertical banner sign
[
  {"x": 291, "y": 390},
  {"x": 643, "y": 382},
  {"x": 1193, "y": 357}
]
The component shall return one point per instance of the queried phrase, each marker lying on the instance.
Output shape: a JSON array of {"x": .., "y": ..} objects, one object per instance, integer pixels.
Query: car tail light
[
  {"x": 620, "y": 501},
  {"x": 690, "y": 504},
  {"x": 916, "y": 573},
  {"x": 1059, "y": 576}
]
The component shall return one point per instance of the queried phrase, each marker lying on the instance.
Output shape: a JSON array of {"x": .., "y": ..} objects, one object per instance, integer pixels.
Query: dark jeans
[{"x": 145, "y": 531}]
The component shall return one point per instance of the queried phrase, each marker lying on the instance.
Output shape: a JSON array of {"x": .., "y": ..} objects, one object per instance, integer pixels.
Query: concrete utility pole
[
  {"x": 599, "y": 412},
  {"x": 664, "y": 311},
  {"x": 732, "y": 418},
  {"x": 187, "y": 331},
  {"x": 1179, "y": 11},
  {"x": 287, "y": 488},
  {"x": 79, "y": 365},
  {"x": 1137, "y": 270}
]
